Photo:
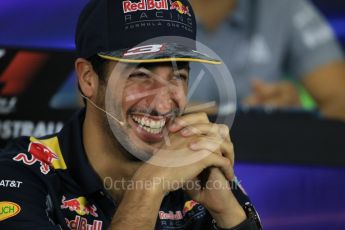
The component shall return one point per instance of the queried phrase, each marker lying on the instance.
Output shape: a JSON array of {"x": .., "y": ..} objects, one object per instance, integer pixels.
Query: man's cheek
[
  {"x": 134, "y": 92},
  {"x": 128, "y": 98},
  {"x": 181, "y": 97}
]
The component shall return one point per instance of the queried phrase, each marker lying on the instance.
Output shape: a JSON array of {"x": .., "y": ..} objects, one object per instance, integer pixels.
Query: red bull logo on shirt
[
  {"x": 179, "y": 7},
  {"x": 142, "y": 5},
  {"x": 46, "y": 152},
  {"x": 79, "y": 205},
  {"x": 188, "y": 206},
  {"x": 39, "y": 153},
  {"x": 170, "y": 215},
  {"x": 80, "y": 223}
]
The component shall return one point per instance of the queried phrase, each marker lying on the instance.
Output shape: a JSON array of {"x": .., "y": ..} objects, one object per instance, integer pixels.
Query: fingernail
[
  {"x": 193, "y": 146},
  {"x": 186, "y": 132},
  {"x": 172, "y": 126}
]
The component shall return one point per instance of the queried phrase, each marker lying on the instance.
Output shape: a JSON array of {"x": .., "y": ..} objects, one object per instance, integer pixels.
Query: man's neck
[
  {"x": 211, "y": 13},
  {"x": 105, "y": 156}
]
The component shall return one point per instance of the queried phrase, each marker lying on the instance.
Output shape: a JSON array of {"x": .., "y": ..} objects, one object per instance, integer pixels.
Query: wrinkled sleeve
[{"x": 312, "y": 42}]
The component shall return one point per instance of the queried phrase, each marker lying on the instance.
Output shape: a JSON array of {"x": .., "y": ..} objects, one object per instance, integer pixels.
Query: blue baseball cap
[{"x": 139, "y": 31}]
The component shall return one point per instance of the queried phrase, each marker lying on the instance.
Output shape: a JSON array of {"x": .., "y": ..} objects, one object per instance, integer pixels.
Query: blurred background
[{"x": 290, "y": 152}]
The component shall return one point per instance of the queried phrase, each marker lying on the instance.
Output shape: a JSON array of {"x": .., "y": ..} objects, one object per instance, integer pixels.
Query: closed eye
[
  {"x": 140, "y": 75},
  {"x": 180, "y": 77}
]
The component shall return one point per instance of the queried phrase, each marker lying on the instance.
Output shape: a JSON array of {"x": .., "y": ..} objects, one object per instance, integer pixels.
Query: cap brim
[{"x": 168, "y": 53}]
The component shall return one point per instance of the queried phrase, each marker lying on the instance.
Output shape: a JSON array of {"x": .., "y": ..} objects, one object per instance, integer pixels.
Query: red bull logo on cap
[
  {"x": 179, "y": 7},
  {"x": 142, "y": 5},
  {"x": 79, "y": 205}
]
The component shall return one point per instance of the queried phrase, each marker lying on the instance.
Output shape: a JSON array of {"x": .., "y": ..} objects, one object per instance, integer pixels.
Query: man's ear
[{"x": 87, "y": 78}]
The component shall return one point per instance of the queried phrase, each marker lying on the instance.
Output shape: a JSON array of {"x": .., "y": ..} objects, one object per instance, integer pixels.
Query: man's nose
[{"x": 163, "y": 100}]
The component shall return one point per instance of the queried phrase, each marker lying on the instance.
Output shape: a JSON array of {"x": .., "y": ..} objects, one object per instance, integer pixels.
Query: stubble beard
[{"x": 118, "y": 134}]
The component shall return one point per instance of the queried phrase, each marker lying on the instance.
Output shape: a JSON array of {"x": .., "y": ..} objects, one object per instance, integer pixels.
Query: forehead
[
  {"x": 150, "y": 66},
  {"x": 120, "y": 69},
  {"x": 173, "y": 65}
]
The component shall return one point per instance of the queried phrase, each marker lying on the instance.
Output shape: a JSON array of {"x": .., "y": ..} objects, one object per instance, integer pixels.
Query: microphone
[{"x": 99, "y": 108}]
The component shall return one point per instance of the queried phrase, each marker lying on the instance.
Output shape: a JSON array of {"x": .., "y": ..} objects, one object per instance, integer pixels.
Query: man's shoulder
[
  {"x": 39, "y": 155},
  {"x": 13, "y": 147}
]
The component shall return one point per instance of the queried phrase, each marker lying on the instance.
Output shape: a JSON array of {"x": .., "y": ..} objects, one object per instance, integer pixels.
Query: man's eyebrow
[
  {"x": 187, "y": 68},
  {"x": 182, "y": 66},
  {"x": 183, "y": 71}
]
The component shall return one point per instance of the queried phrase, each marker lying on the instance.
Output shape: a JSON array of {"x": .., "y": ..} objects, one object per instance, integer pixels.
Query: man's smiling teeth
[{"x": 150, "y": 125}]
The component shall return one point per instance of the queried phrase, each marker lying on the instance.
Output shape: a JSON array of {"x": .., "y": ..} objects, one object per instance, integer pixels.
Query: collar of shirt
[{"x": 72, "y": 148}]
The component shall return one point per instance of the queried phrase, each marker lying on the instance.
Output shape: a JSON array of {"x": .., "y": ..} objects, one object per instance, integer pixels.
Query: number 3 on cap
[{"x": 143, "y": 50}]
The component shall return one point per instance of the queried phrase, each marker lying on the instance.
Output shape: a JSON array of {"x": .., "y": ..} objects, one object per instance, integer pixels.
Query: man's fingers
[
  {"x": 210, "y": 129},
  {"x": 286, "y": 97},
  {"x": 256, "y": 85},
  {"x": 187, "y": 120},
  {"x": 227, "y": 149},
  {"x": 220, "y": 162},
  {"x": 261, "y": 91},
  {"x": 278, "y": 101},
  {"x": 289, "y": 94},
  {"x": 224, "y": 148},
  {"x": 251, "y": 100},
  {"x": 279, "y": 94},
  {"x": 268, "y": 91}
]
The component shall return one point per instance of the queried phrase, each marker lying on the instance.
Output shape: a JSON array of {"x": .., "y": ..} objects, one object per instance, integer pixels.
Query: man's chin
[
  {"x": 140, "y": 140},
  {"x": 148, "y": 147},
  {"x": 140, "y": 148}
]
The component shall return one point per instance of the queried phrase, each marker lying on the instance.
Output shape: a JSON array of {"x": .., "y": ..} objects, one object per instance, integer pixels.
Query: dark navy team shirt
[{"x": 48, "y": 183}]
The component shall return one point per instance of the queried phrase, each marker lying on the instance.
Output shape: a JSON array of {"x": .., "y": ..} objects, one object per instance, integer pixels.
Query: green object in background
[{"x": 306, "y": 99}]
